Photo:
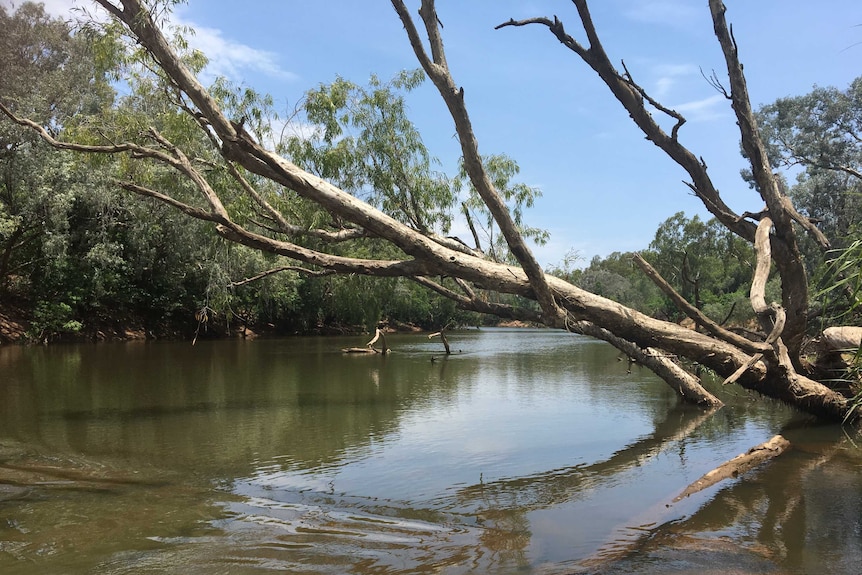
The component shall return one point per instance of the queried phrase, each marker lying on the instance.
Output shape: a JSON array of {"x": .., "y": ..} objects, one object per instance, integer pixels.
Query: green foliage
[
  {"x": 501, "y": 169},
  {"x": 704, "y": 262},
  {"x": 73, "y": 249},
  {"x": 819, "y": 135},
  {"x": 51, "y": 76},
  {"x": 52, "y": 319},
  {"x": 365, "y": 144},
  {"x": 841, "y": 293},
  {"x": 616, "y": 277},
  {"x": 841, "y": 284}
]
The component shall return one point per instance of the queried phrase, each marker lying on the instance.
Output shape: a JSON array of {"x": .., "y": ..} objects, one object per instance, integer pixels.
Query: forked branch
[
  {"x": 453, "y": 96},
  {"x": 698, "y": 316},
  {"x": 633, "y": 99}
]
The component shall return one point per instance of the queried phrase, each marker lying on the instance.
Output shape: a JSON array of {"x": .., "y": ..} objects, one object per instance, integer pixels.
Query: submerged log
[
  {"x": 740, "y": 464},
  {"x": 359, "y": 350}
]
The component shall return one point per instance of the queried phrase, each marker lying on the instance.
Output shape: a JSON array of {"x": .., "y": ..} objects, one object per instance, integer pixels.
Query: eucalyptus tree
[
  {"x": 53, "y": 76},
  {"x": 770, "y": 364},
  {"x": 368, "y": 146},
  {"x": 820, "y": 133}
]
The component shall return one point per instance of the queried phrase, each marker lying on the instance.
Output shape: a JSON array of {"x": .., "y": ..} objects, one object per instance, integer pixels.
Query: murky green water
[{"x": 527, "y": 452}]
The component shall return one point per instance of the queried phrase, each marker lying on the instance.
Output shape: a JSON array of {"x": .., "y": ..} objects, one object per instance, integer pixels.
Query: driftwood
[
  {"x": 443, "y": 339},
  {"x": 740, "y": 464},
  {"x": 369, "y": 347}
]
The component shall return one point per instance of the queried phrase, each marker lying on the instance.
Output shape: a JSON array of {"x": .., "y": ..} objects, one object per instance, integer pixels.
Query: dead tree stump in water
[{"x": 442, "y": 338}]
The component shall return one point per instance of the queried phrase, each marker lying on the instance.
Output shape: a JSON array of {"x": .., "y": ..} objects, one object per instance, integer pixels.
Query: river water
[{"x": 526, "y": 451}]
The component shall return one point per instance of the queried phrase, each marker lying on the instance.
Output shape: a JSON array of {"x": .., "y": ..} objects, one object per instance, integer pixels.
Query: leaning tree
[{"x": 239, "y": 165}]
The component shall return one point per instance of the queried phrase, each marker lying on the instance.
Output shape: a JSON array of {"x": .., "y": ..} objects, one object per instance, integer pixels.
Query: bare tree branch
[
  {"x": 684, "y": 383},
  {"x": 786, "y": 254},
  {"x": 273, "y": 271},
  {"x": 632, "y": 100},
  {"x": 694, "y": 313},
  {"x": 454, "y": 98},
  {"x": 680, "y": 120}
]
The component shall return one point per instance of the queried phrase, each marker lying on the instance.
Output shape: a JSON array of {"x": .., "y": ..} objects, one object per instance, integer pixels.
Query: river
[{"x": 525, "y": 451}]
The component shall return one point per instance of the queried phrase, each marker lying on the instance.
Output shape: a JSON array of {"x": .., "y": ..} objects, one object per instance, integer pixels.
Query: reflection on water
[{"x": 527, "y": 451}]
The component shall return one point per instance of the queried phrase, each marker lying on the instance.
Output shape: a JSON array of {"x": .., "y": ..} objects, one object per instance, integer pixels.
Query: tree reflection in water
[{"x": 800, "y": 513}]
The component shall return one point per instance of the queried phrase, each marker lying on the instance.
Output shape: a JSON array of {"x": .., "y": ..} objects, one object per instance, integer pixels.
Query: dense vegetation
[{"x": 76, "y": 257}]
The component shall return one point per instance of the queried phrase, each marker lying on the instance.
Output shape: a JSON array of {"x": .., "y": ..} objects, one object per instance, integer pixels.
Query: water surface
[{"x": 526, "y": 451}]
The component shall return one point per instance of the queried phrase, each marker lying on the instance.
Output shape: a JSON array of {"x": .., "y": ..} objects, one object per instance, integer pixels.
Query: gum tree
[{"x": 770, "y": 364}]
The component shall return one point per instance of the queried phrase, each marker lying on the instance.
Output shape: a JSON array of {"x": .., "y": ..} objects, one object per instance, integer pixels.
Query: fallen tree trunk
[
  {"x": 737, "y": 466},
  {"x": 845, "y": 339}
]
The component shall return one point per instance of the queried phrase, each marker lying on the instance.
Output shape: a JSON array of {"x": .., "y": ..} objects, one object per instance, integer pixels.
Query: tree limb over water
[{"x": 246, "y": 167}]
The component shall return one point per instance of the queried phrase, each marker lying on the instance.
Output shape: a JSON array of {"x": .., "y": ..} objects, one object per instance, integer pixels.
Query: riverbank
[
  {"x": 17, "y": 328},
  {"x": 13, "y": 325}
]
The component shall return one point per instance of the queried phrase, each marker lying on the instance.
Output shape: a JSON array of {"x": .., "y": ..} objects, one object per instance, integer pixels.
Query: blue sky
[{"x": 604, "y": 187}]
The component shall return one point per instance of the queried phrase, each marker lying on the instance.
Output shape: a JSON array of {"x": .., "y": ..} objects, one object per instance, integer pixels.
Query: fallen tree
[{"x": 239, "y": 165}]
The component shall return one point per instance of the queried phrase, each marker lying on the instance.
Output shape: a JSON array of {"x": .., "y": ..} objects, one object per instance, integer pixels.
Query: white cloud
[
  {"x": 705, "y": 109},
  {"x": 302, "y": 130},
  {"x": 668, "y": 76},
  {"x": 281, "y": 129},
  {"x": 61, "y": 8},
  {"x": 230, "y": 58}
]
